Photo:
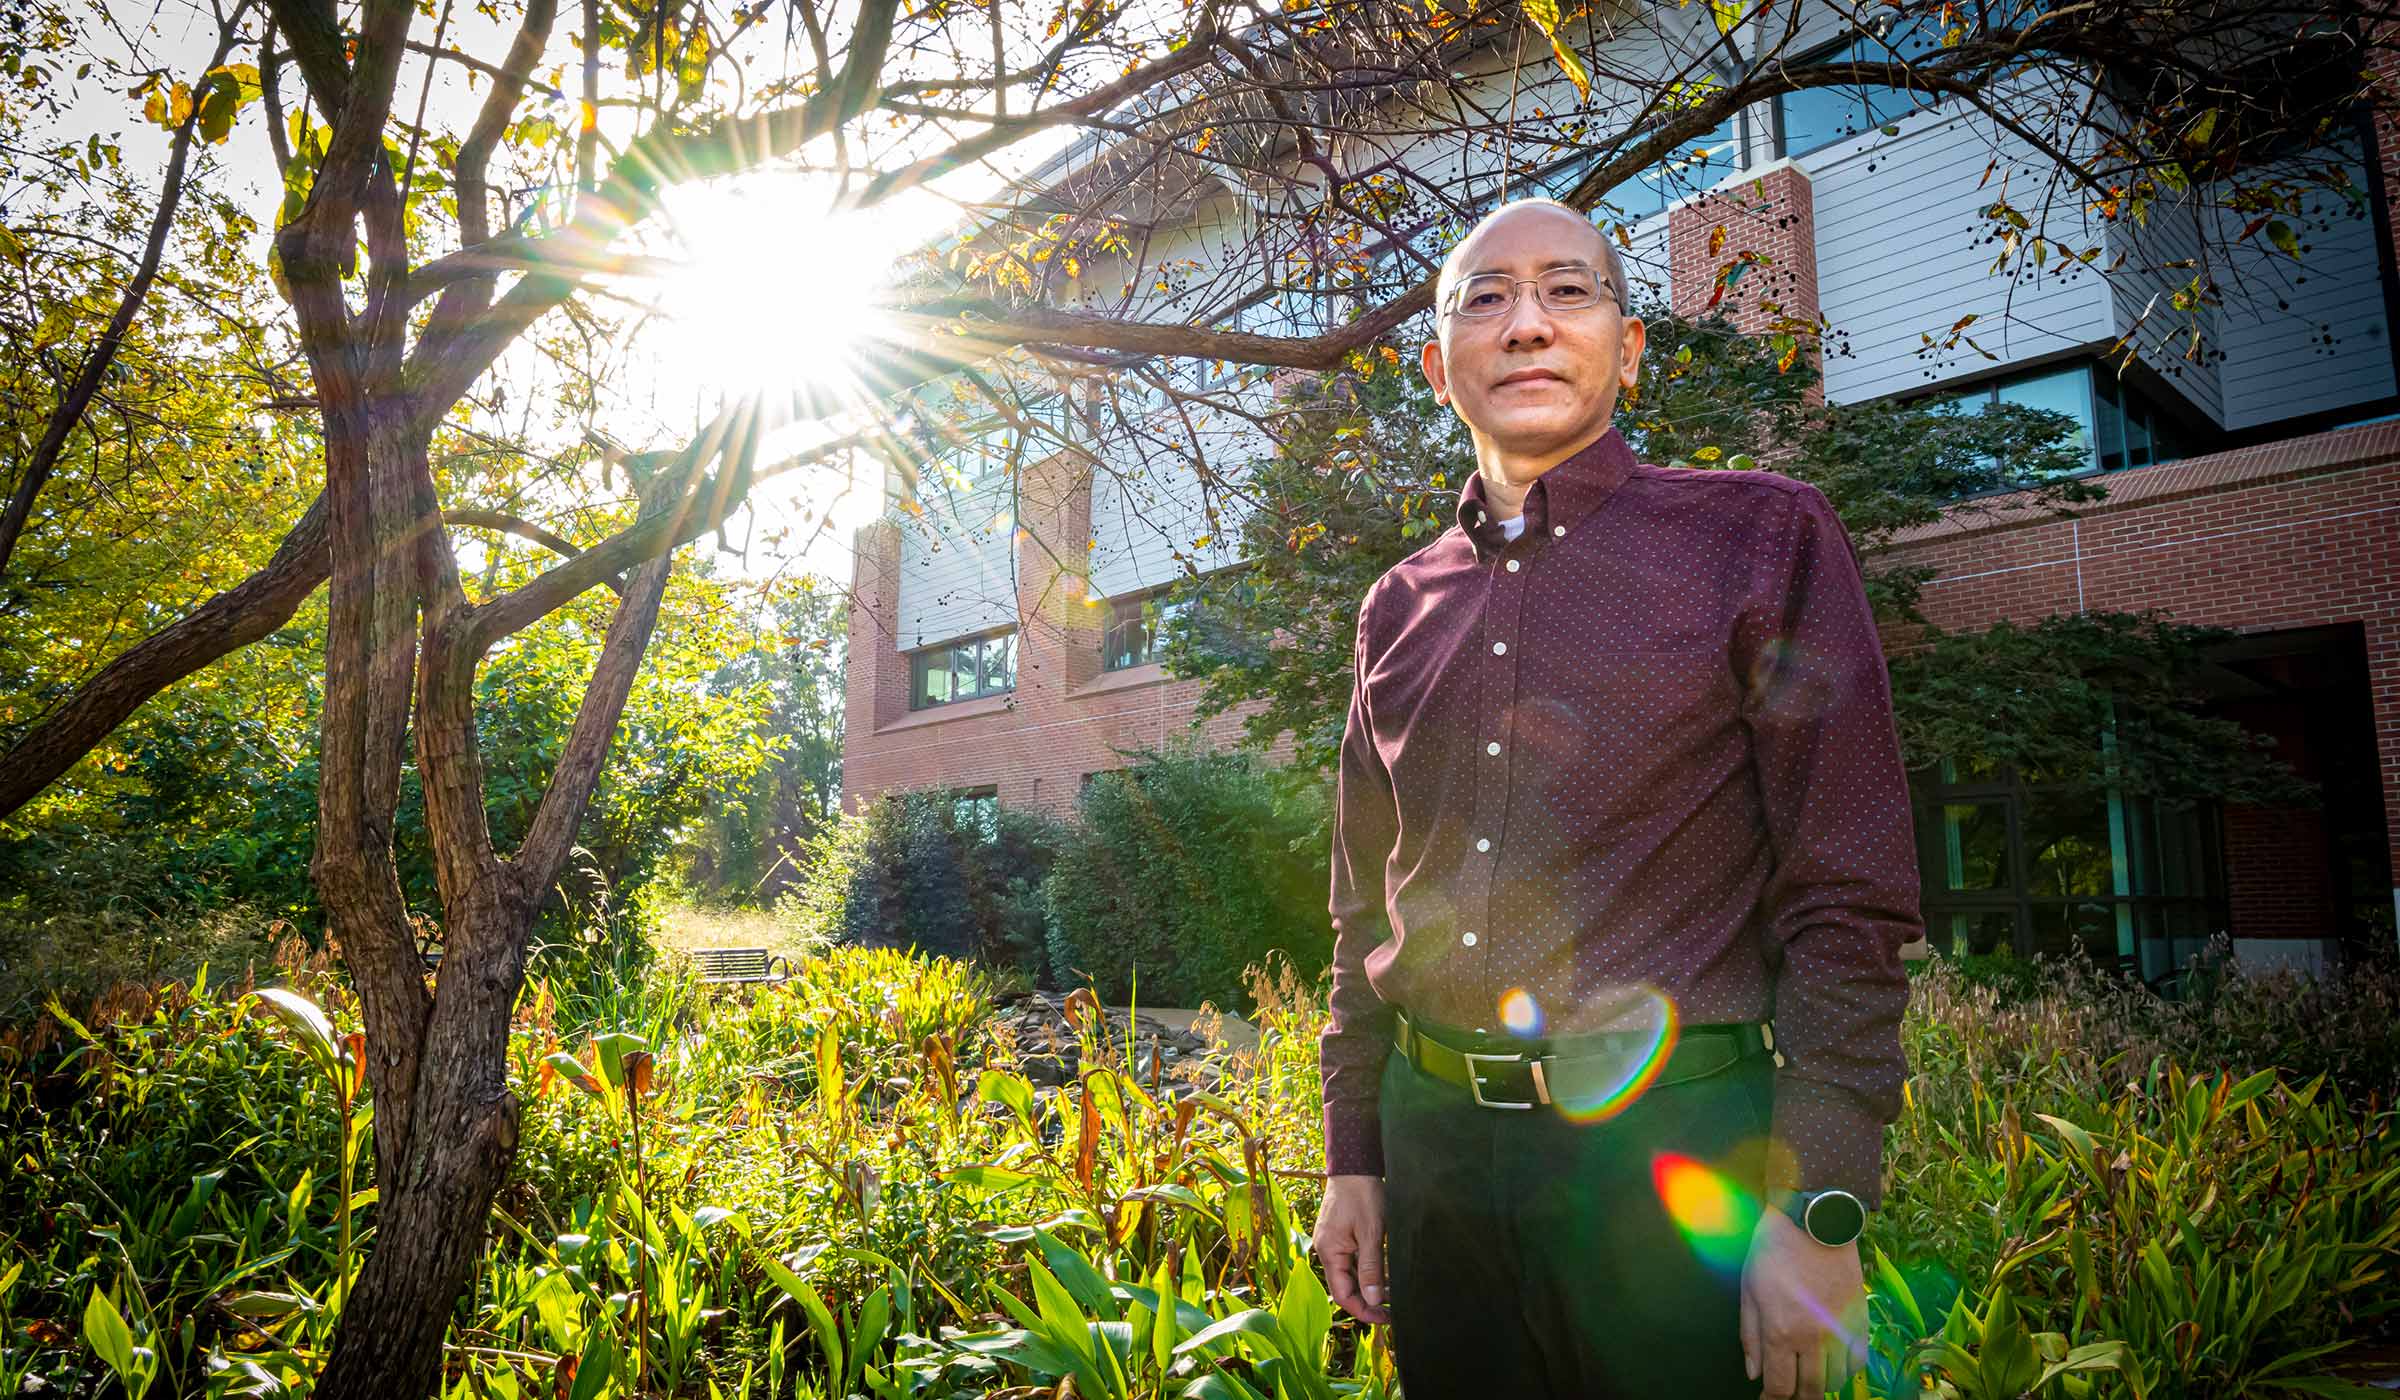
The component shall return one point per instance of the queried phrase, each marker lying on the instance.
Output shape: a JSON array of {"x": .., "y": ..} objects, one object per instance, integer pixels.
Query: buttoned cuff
[
  {"x": 1353, "y": 1139},
  {"x": 1832, "y": 1141}
]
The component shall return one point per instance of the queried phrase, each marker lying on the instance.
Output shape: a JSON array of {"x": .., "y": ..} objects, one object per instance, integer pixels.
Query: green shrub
[
  {"x": 911, "y": 872},
  {"x": 1184, "y": 870}
]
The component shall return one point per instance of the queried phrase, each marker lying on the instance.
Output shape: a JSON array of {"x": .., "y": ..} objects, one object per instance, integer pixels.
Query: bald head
[{"x": 1576, "y": 234}]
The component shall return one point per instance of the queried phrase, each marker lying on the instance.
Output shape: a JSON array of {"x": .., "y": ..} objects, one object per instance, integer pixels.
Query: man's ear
[
  {"x": 1629, "y": 351},
  {"x": 1430, "y": 360}
]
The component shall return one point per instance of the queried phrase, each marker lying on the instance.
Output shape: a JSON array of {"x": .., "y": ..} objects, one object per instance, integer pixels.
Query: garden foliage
[
  {"x": 844, "y": 1186},
  {"x": 1183, "y": 871}
]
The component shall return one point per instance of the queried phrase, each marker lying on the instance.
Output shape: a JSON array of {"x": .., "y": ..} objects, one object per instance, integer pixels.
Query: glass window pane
[
  {"x": 1966, "y": 847},
  {"x": 962, "y": 670},
  {"x": 2067, "y": 850},
  {"x": 2108, "y": 421},
  {"x": 2085, "y": 929},
  {"x": 1687, "y": 170},
  {"x": 1008, "y": 666},
  {"x": 1973, "y": 930},
  {"x": 2067, "y": 391},
  {"x": 935, "y": 673},
  {"x": 2137, "y": 437}
]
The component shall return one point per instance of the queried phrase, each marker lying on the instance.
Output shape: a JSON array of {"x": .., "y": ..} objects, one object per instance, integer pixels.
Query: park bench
[{"x": 740, "y": 965}]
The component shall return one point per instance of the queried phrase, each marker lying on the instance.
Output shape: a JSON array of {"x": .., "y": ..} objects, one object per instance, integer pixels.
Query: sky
[{"x": 766, "y": 273}]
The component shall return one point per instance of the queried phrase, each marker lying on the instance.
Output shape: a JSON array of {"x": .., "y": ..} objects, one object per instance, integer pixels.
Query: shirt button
[
  {"x": 1483, "y": 843},
  {"x": 1467, "y": 938},
  {"x": 1558, "y": 529},
  {"x": 1513, "y": 563},
  {"x": 1492, "y": 747},
  {"x": 1499, "y": 648}
]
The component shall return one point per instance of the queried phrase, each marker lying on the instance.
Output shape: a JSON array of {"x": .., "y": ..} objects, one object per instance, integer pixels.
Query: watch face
[{"x": 1835, "y": 1218}]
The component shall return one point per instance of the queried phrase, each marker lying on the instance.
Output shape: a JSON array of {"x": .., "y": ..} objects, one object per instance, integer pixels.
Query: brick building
[{"x": 1001, "y": 653}]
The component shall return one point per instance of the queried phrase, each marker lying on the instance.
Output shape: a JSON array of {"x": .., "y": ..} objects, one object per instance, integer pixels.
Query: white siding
[
  {"x": 957, "y": 565},
  {"x": 2143, "y": 289},
  {"x": 2312, "y": 335},
  {"x": 1901, "y": 254},
  {"x": 1151, "y": 514}
]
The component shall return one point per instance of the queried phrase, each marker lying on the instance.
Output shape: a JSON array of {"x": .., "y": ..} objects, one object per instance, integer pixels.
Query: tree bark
[{"x": 226, "y": 623}]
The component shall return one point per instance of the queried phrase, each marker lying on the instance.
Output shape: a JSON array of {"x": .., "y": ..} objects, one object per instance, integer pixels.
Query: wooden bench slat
[{"x": 739, "y": 965}]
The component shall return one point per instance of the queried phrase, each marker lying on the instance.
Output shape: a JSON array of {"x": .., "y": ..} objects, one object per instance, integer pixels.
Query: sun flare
[{"x": 772, "y": 290}]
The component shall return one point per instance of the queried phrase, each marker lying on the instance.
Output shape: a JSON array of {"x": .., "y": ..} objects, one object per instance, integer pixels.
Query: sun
[{"x": 771, "y": 289}]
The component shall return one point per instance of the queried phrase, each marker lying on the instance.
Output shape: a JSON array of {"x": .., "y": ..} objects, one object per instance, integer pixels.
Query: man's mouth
[{"x": 1529, "y": 376}]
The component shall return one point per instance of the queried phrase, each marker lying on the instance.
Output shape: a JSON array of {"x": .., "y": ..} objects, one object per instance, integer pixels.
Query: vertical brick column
[
  {"x": 1773, "y": 218},
  {"x": 1059, "y": 647},
  {"x": 875, "y": 684},
  {"x": 2383, "y": 678}
]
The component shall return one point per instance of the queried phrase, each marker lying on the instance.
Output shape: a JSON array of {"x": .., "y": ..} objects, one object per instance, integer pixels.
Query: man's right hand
[{"x": 1349, "y": 1239}]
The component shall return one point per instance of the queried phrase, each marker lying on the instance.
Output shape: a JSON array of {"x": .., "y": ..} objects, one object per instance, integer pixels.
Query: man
[{"x": 1621, "y": 870}]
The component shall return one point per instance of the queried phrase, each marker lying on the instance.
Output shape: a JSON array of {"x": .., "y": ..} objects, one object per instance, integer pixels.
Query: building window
[
  {"x": 1686, "y": 170},
  {"x": 1813, "y": 118},
  {"x": 977, "y": 810},
  {"x": 963, "y": 670},
  {"x": 1139, "y": 623},
  {"x": 1137, "y": 628},
  {"x": 2020, "y": 866},
  {"x": 2117, "y": 425},
  {"x": 2130, "y": 429}
]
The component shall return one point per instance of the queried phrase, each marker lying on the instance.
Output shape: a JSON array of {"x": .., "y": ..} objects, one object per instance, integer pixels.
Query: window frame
[
  {"x": 1778, "y": 129},
  {"x": 920, "y": 661},
  {"x": 1134, "y": 609},
  {"x": 986, "y": 818}
]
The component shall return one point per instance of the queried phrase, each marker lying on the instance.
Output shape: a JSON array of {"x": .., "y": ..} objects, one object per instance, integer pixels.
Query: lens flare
[
  {"x": 1715, "y": 1216},
  {"x": 1520, "y": 1013},
  {"x": 1598, "y": 1098}
]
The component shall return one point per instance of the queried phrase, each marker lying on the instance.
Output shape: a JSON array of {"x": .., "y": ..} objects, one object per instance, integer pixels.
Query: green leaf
[
  {"x": 1544, "y": 14},
  {"x": 1255, "y": 1323},
  {"x": 2286, "y": 242},
  {"x": 2249, "y": 1089},
  {"x": 104, "y": 1330},
  {"x": 1080, "y": 1279},
  {"x": 1305, "y": 1312},
  {"x": 595, "y": 1367},
  {"x": 311, "y": 1028},
  {"x": 1058, "y": 1309}
]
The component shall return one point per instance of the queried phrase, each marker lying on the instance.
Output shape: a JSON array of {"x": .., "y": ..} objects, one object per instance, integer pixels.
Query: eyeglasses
[{"x": 1560, "y": 289}]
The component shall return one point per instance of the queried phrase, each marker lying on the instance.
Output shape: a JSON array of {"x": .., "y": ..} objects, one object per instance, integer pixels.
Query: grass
[{"x": 688, "y": 927}]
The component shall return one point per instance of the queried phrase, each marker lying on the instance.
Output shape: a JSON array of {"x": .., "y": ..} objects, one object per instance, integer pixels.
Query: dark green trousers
[{"x": 1531, "y": 1255}]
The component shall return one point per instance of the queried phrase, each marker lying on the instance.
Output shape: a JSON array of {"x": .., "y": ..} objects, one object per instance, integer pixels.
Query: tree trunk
[
  {"x": 435, "y": 1203},
  {"x": 224, "y": 624}
]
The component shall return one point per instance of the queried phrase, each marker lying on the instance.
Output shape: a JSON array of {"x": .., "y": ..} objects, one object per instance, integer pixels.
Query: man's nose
[{"x": 1528, "y": 323}]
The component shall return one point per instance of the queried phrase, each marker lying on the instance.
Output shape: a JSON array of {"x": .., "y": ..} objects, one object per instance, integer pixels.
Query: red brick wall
[
  {"x": 2277, "y": 883},
  {"x": 1774, "y": 216},
  {"x": 1036, "y": 743},
  {"x": 2297, "y": 533}
]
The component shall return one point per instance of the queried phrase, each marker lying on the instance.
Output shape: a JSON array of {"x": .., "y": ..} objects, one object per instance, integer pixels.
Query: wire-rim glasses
[{"x": 1570, "y": 288}]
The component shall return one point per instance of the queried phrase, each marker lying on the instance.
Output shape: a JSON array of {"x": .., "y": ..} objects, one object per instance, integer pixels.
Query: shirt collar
[{"x": 1560, "y": 496}]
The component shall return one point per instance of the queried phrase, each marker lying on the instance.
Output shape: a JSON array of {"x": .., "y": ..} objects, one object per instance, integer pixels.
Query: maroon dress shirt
[{"x": 1646, "y": 745}]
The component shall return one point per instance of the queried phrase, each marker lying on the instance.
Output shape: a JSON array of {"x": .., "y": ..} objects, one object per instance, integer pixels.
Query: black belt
[{"x": 1571, "y": 1073}]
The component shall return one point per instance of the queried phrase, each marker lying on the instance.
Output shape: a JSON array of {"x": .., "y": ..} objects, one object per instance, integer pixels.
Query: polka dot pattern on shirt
[{"x": 1636, "y": 742}]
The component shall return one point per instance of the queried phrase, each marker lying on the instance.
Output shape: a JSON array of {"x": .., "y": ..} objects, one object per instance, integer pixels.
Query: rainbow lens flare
[
  {"x": 1715, "y": 1216},
  {"x": 1651, "y": 1032},
  {"x": 1520, "y": 1013}
]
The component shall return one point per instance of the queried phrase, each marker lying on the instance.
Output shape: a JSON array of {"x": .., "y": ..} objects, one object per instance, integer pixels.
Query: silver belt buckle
[{"x": 1475, "y": 1080}]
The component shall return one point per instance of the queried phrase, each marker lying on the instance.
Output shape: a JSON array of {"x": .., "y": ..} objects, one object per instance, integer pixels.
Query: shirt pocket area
[{"x": 1614, "y": 735}]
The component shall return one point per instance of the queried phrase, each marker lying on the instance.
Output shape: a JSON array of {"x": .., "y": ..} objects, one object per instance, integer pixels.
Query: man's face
[{"x": 1532, "y": 381}]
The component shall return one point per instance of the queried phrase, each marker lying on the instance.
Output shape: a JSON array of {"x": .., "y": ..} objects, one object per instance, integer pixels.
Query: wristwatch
[{"x": 1833, "y": 1217}]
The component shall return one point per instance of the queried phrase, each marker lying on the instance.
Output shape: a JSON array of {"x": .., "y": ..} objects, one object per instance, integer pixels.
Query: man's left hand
[{"x": 1804, "y": 1311}]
